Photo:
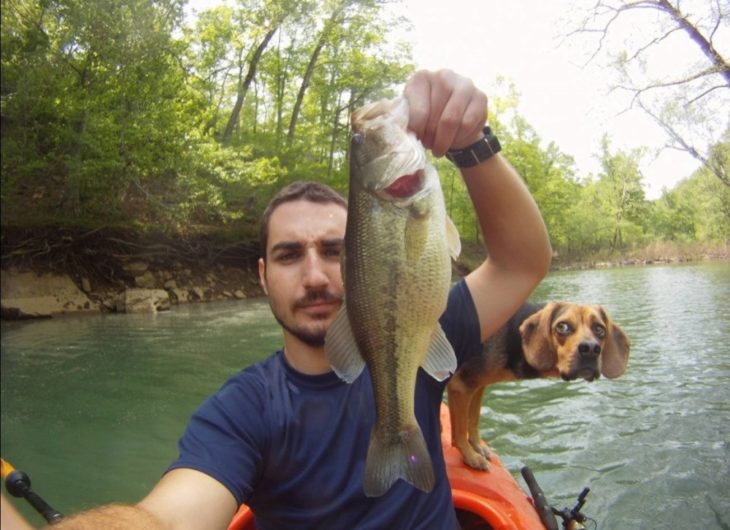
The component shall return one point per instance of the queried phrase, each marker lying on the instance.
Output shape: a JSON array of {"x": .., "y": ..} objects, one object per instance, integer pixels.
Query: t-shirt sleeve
[
  {"x": 225, "y": 437},
  {"x": 460, "y": 322}
]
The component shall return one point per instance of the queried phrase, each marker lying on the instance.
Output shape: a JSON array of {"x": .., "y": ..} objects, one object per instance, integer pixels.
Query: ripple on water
[{"x": 652, "y": 445}]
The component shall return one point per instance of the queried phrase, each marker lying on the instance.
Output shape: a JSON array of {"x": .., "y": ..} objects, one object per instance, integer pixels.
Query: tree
[
  {"x": 92, "y": 102},
  {"x": 259, "y": 24},
  {"x": 690, "y": 100},
  {"x": 621, "y": 193}
]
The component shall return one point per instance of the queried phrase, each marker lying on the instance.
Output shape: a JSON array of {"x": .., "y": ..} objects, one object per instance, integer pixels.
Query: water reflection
[{"x": 93, "y": 406}]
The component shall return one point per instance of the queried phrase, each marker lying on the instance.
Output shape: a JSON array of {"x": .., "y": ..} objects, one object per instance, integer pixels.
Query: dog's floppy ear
[
  {"x": 615, "y": 354},
  {"x": 537, "y": 342}
]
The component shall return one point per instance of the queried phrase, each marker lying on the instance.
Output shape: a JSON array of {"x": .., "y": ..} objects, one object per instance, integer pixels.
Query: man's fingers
[
  {"x": 446, "y": 110},
  {"x": 418, "y": 94}
]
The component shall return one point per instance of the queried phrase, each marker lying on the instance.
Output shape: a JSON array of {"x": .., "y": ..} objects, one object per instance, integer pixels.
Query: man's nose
[{"x": 314, "y": 273}]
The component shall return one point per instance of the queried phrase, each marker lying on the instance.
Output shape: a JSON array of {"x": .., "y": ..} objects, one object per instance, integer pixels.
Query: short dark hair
[{"x": 298, "y": 190}]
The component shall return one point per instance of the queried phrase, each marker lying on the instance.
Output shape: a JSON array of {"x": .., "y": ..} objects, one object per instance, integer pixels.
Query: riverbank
[
  {"x": 55, "y": 272},
  {"x": 657, "y": 253},
  {"x": 44, "y": 277}
]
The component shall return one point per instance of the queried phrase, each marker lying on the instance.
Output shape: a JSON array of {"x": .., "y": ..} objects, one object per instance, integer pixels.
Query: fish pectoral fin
[
  {"x": 341, "y": 349},
  {"x": 453, "y": 239},
  {"x": 440, "y": 360}
]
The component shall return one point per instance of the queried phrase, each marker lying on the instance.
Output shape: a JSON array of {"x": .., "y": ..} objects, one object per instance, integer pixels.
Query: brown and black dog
[{"x": 558, "y": 339}]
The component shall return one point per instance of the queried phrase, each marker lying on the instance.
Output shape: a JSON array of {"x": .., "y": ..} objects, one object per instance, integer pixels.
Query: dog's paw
[
  {"x": 485, "y": 452},
  {"x": 481, "y": 448},
  {"x": 476, "y": 461}
]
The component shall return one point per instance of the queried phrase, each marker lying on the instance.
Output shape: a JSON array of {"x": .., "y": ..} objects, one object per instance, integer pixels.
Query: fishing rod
[
  {"x": 572, "y": 518},
  {"x": 18, "y": 485}
]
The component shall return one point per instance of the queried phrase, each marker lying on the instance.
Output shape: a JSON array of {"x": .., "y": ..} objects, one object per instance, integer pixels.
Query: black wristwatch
[{"x": 476, "y": 153}]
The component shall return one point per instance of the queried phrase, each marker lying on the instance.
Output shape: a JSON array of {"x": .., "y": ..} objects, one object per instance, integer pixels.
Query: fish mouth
[{"x": 406, "y": 185}]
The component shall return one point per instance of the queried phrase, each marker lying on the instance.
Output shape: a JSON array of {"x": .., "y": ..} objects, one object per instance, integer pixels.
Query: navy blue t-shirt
[{"x": 293, "y": 446}]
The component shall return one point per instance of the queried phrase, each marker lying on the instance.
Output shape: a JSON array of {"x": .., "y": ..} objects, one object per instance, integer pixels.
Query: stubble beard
[{"x": 312, "y": 334}]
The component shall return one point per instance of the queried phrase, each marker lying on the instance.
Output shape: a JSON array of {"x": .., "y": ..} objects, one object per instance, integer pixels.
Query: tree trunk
[
  {"x": 723, "y": 68},
  {"x": 303, "y": 88},
  {"x": 335, "y": 132},
  {"x": 334, "y": 21},
  {"x": 245, "y": 83}
]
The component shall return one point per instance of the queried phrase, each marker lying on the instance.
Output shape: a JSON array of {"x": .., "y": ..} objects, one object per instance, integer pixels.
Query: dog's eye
[
  {"x": 563, "y": 328},
  {"x": 599, "y": 330}
]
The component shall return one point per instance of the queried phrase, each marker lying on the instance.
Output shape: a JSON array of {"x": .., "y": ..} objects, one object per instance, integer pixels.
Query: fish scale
[{"x": 397, "y": 272}]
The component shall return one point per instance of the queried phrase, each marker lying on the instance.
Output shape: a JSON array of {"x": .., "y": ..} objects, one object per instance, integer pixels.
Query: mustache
[{"x": 318, "y": 296}]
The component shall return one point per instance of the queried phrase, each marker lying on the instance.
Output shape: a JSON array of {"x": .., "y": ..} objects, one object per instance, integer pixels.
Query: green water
[{"x": 92, "y": 406}]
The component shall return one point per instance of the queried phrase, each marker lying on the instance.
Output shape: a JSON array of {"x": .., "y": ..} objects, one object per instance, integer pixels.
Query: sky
[{"x": 564, "y": 100}]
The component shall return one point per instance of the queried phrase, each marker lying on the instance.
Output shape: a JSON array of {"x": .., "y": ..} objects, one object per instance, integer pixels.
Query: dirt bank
[
  {"x": 52, "y": 272},
  {"x": 59, "y": 271}
]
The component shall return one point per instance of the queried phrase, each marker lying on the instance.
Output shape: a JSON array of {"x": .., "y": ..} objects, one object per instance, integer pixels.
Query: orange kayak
[{"x": 480, "y": 497}]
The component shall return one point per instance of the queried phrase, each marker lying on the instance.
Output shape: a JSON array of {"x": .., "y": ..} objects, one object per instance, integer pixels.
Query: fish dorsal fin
[
  {"x": 452, "y": 238},
  {"x": 440, "y": 360},
  {"x": 341, "y": 350}
]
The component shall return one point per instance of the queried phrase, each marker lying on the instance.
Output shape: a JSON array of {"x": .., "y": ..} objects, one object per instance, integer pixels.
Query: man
[{"x": 285, "y": 435}]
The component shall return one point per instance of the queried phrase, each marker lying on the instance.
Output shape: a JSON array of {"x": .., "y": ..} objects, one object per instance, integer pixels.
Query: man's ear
[{"x": 262, "y": 275}]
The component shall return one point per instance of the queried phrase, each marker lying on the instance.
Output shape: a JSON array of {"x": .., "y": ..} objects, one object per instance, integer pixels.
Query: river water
[{"x": 92, "y": 406}]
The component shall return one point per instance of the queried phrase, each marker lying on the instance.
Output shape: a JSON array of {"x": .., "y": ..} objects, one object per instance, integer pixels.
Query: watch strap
[{"x": 478, "y": 152}]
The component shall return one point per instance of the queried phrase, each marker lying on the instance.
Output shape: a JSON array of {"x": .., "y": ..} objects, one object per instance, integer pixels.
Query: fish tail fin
[{"x": 389, "y": 459}]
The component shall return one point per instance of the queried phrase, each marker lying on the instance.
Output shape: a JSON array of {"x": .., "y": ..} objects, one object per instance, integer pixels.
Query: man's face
[{"x": 301, "y": 274}]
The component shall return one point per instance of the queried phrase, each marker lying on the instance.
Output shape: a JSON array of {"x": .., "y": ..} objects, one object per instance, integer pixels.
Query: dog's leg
[
  {"x": 460, "y": 398},
  {"x": 475, "y": 413}
]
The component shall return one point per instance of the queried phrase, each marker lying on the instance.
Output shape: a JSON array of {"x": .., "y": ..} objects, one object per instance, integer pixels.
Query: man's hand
[{"x": 446, "y": 110}]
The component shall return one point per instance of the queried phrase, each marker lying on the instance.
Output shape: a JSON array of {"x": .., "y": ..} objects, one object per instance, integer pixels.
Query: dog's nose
[{"x": 589, "y": 349}]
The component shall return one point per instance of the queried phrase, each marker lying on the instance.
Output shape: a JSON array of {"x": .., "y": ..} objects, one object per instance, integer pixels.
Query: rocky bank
[
  {"x": 145, "y": 288},
  {"x": 62, "y": 272}
]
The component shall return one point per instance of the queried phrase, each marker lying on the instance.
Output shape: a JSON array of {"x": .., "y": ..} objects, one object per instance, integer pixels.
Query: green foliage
[
  {"x": 698, "y": 209},
  {"x": 115, "y": 113},
  {"x": 112, "y": 111}
]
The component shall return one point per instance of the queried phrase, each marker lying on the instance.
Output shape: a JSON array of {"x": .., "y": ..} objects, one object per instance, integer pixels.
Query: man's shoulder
[
  {"x": 256, "y": 377},
  {"x": 267, "y": 366}
]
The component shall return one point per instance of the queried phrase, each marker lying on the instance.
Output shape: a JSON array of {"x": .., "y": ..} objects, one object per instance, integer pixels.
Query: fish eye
[
  {"x": 563, "y": 328},
  {"x": 358, "y": 138}
]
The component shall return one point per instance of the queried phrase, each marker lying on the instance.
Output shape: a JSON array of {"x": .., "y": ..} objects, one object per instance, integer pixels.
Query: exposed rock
[
  {"x": 30, "y": 295},
  {"x": 143, "y": 301},
  {"x": 136, "y": 268},
  {"x": 146, "y": 281},
  {"x": 197, "y": 293},
  {"x": 26, "y": 294}
]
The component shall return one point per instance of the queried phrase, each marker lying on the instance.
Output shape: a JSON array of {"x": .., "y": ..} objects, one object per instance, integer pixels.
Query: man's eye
[
  {"x": 333, "y": 252},
  {"x": 287, "y": 257}
]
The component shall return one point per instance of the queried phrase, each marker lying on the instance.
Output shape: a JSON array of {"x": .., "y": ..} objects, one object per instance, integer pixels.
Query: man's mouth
[{"x": 317, "y": 299}]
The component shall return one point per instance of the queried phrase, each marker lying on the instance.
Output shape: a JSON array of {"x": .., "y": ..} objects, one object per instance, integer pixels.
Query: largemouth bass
[{"x": 397, "y": 272}]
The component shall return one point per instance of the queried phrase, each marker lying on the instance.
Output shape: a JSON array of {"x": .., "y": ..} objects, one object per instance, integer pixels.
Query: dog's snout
[{"x": 589, "y": 349}]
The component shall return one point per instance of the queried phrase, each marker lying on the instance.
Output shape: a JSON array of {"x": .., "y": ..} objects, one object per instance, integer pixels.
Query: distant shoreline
[
  {"x": 653, "y": 254},
  {"x": 44, "y": 292}
]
